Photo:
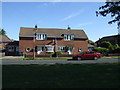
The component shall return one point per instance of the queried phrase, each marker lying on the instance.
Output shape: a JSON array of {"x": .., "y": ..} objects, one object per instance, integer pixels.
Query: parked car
[{"x": 87, "y": 55}]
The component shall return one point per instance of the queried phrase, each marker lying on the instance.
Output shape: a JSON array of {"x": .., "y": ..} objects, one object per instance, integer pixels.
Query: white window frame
[
  {"x": 41, "y": 36},
  {"x": 28, "y": 50},
  {"x": 49, "y": 48},
  {"x": 80, "y": 49},
  {"x": 68, "y": 37}
]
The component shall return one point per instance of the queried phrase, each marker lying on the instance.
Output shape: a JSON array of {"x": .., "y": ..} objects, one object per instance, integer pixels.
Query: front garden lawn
[{"x": 61, "y": 76}]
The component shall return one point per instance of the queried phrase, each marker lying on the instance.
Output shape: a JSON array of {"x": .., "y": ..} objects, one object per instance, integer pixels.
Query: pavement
[{"x": 18, "y": 61}]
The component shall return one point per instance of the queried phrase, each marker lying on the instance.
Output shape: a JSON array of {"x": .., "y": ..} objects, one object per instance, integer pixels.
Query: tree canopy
[
  {"x": 111, "y": 7},
  {"x": 106, "y": 44},
  {"x": 2, "y": 32}
]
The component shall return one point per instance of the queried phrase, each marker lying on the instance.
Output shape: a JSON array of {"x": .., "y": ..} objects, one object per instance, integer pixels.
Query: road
[{"x": 27, "y": 62}]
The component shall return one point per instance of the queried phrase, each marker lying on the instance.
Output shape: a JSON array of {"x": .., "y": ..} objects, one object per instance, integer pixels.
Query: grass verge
[
  {"x": 112, "y": 57},
  {"x": 61, "y": 76}
]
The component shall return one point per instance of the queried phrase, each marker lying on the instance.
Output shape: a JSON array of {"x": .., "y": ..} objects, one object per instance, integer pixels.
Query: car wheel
[
  {"x": 79, "y": 58},
  {"x": 95, "y": 58}
]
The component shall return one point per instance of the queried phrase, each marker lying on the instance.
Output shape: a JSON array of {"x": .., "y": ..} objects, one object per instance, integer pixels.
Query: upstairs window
[
  {"x": 68, "y": 37},
  {"x": 41, "y": 36}
]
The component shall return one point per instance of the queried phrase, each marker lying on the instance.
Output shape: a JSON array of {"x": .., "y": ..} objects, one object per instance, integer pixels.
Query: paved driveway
[{"x": 25, "y": 62}]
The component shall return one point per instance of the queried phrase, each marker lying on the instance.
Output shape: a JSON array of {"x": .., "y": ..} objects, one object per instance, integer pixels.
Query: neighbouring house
[
  {"x": 4, "y": 40},
  {"x": 91, "y": 45},
  {"x": 44, "y": 41},
  {"x": 12, "y": 49},
  {"x": 114, "y": 39}
]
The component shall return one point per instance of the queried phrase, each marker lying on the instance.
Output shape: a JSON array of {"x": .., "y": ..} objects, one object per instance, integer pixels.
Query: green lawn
[
  {"x": 112, "y": 57},
  {"x": 61, "y": 76}
]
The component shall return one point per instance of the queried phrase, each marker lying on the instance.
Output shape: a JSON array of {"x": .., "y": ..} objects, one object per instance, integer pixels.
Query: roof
[
  {"x": 4, "y": 38},
  {"x": 109, "y": 37},
  {"x": 89, "y": 45},
  {"x": 14, "y": 43},
  {"x": 52, "y": 32}
]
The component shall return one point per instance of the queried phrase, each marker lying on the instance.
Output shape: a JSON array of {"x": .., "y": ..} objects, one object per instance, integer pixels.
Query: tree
[
  {"x": 106, "y": 44},
  {"x": 111, "y": 7},
  {"x": 2, "y": 32}
]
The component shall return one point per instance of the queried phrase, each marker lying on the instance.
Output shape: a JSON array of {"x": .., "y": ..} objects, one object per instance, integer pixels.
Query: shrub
[
  {"x": 58, "y": 53},
  {"x": 103, "y": 51}
]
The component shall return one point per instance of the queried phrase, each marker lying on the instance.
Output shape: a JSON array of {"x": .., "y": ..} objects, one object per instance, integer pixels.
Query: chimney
[
  {"x": 36, "y": 27},
  {"x": 68, "y": 27}
]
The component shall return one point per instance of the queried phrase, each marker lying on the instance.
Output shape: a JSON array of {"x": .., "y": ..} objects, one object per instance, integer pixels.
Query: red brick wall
[{"x": 25, "y": 42}]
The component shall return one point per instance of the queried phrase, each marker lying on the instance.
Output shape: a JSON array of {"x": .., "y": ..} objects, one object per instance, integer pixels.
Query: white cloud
[
  {"x": 84, "y": 24},
  {"x": 70, "y": 16},
  {"x": 73, "y": 15}
]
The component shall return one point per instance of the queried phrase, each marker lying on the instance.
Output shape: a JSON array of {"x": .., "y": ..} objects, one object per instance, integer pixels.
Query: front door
[
  {"x": 70, "y": 50},
  {"x": 39, "y": 50}
]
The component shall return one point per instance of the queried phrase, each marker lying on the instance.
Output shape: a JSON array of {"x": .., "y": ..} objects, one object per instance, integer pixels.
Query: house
[
  {"x": 114, "y": 39},
  {"x": 44, "y": 41},
  {"x": 4, "y": 40},
  {"x": 91, "y": 45},
  {"x": 12, "y": 49}
]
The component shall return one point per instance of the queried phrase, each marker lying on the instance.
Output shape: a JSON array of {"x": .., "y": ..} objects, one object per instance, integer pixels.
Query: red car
[{"x": 87, "y": 55}]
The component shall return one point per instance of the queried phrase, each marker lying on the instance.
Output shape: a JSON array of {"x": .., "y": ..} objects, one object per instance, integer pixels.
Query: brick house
[
  {"x": 43, "y": 41},
  {"x": 12, "y": 49},
  {"x": 4, "y": 40}
]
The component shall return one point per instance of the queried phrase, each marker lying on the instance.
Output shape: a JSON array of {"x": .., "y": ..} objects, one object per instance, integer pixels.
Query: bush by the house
[
  {"x": 109, "y": 48},
  {"x": 114, "y": 49},
  {"x": 57, "y": 53},
  {"x": 103, "y": 51}
]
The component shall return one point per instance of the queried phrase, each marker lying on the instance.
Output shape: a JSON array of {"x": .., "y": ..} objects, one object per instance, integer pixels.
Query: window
[
  {"x": 68, "y": 37},
  {"x": 11, "y": 49},
  {"x": 41, "y": 36},
  {"x": 40, "y": 49},
  {"x": 49, "y": 48},
  {"x": 27, "y": 49},
  {"x": 80, "y": 49},
  {"x": 61, "y": 48}
]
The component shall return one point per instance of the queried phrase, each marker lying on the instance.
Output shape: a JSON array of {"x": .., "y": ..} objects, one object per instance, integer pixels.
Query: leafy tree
[
  {"x": 106, "y": 44},
  {"x": 2, "y": 32},
  {"x": 111, "y": 7}
]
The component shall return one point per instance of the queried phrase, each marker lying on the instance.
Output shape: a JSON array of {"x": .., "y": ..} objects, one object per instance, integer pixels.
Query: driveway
[{"x": 27, "y": 62}]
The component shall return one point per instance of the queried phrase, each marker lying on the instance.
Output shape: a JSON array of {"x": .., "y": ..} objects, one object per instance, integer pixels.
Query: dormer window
[
  {"x": 68, "y": 37},
  {"x": 41, "y": 36}
]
